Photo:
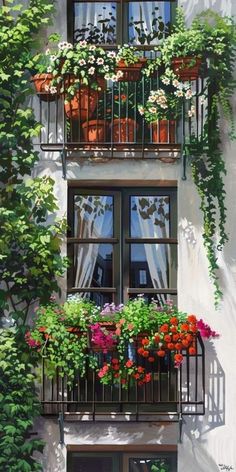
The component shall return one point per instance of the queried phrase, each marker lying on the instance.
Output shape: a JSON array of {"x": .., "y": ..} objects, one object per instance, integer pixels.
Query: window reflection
[
  {"x": 150, "y": 216},
  {"x": 148, "y": 22},
  {"x": 93, "y": 216},
  {"x": 93, "y": 265},
  {"x": 153, "y": 265},
  {"x": 95, "y": 22}
]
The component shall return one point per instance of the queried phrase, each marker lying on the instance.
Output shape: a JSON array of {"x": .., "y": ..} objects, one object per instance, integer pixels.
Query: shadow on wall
[{"x": 195, "y": 428}]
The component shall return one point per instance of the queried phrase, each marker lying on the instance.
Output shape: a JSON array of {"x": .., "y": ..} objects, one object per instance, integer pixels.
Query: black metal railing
[{"x": 170, "y": 391}]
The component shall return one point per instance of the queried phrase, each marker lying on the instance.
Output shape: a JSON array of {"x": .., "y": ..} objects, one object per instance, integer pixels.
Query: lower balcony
[{"x": 167, "y": 393}]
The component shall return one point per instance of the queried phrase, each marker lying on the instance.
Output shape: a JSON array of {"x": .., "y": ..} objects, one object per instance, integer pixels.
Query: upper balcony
[{"x": 107, "y": 123}]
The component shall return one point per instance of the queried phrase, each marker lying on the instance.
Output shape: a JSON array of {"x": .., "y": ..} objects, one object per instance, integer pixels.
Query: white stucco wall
[{"x": 210, "y": 440}]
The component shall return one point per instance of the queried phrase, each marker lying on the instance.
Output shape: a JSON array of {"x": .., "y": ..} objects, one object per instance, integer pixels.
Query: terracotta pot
[
  {"x": 123, "y": 130},
  {"x": 160, "y": 131},
  {"x": 131, "y": 73},
  {"x": 181, "y": 67},
  {"x": 42, "y": 82},
  {"x": 163, "y": 131},
  {"x": 83, "y": 104},
  {"x": 94, "y": 131}
]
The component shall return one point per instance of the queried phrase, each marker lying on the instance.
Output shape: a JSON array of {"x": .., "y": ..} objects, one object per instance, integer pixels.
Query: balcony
[
  {"x": 170, "y": 391},
  {"x": 106, "y": 124}
]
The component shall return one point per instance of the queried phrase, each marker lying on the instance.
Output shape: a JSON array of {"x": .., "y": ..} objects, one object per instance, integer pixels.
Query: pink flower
[{"x": 205, "y": 330}]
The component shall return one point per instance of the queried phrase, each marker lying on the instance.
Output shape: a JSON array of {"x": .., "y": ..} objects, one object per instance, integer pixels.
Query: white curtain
[
  {"x": 89, "y": 225},
  {"x": 157, "y": 255}
]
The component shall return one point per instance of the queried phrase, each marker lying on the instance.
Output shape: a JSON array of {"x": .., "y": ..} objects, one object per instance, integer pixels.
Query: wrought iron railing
[{"x": 170, "y": 391}]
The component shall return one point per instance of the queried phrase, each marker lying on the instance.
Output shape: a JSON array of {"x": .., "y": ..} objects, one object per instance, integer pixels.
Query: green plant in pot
[
  {"x": 81, "y": 72},
  {"x": 130, "y": 63},
  {"x": 164, "y": 106}
]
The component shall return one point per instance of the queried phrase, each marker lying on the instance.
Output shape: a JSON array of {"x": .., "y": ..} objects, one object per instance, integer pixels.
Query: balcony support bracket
[
  {"x": 184, "y": 160},
  {"x": 61, "y": 428},
  {"x": 63, "y": 162},
  {"x": 181, "y": 422}
]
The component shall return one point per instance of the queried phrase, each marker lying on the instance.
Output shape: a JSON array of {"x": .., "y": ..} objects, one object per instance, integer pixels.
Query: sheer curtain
[
  {"x": 89, "y": 225},
  {"x": 158, "y": 256}
]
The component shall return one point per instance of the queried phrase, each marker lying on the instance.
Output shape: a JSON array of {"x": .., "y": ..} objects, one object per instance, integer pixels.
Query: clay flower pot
[
  {"x": 42, "y": 83},
  {"x": 83, "y": 104},
  {"x": 94, "y": 131},
  {"x": 163, "y": 131},
  {"x": 187, "y": 68},
  {"x": 131, "y": 73},
  {"x": 123, "y": 130}
]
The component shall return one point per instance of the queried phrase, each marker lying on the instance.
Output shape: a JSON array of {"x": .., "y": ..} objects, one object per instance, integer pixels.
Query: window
[
  {"x": 118, "y": 22},
  {"x": 123, "y": 462},
  {"x": 122, "y": 242}
]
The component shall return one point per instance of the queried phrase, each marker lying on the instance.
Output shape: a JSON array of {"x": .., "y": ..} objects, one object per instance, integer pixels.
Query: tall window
[
  {"x": 122, "y": 242},
  {"x": 136, "y": 22}
]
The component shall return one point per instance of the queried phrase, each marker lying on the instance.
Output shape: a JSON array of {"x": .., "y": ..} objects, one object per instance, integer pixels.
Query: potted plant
[
  {"x": 129, "y": 63},
  {"x": 81, "y": 72},
  {"x": 163, "y": 107},
  {"x": 123, "y": 123},
  {"x": 41, "y": 75},
  {"x": 129, "y": 334},
  {"x": 183, "y": 49}
]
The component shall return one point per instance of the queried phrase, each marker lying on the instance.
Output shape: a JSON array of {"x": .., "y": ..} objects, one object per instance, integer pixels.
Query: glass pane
[
  {"x": 90, "y": 464},
  {"x": 153, "y": 266},
  {"x": 95, "y": 22},
  {"x": 99, "y": 298},
  {"x": 150, "y": 216},
  {"x": 150, "y": 465},
  {"x": 93, "y": 265},
  {"x": 148, "y": 22},
  {"x": 93, "y": 216}
]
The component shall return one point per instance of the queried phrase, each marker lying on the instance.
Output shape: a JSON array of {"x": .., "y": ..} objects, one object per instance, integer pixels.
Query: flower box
[
  {"x": 187, "y": 68},
  {"x": 131, "y": 72},
  {"x": 42, "y": 83}
]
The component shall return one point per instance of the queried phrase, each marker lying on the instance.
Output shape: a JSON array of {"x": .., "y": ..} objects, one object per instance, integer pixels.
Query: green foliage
[
  {"x": 18, "y": 408},
  {"x": 211, "y": 38},
  {"x": 128, "y": 54},
  {"x": 29, "y": 246}
]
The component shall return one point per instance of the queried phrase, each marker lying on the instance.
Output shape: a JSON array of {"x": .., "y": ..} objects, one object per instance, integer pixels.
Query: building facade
[{"x": 117, "y": 254}]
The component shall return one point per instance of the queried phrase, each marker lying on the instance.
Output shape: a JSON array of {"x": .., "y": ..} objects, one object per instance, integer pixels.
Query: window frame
[
  {"x": 121, "y": 240},
  {"x": 122, "y": 34}
]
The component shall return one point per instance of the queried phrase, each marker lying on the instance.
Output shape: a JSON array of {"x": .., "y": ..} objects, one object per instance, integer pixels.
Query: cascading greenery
[
  {"x": 30, "y": 257},
  {"x": 208, "y": 166},
  {"x": 29, "y": 247},
  {"x": 211, "y": 38},
  {"x": 18, "y": 408}
]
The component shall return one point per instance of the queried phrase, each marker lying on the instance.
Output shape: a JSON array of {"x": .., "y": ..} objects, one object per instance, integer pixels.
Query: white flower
[
  {"x": 69, "y": 46},
  {"x": 91, "y": 70},
  {"x": 114, "y": 78},
  {"x": 47, "y": 52},
  {"x": 91, "y": 59},
  {"x": 111, "y": 54},
  {"x": 52, "y": 58},
  {"x": 119, "y": 74},
  {"x": 82, "y": 62},
  {"x": 141, "y": 110},
  {"x": 191, "y": 112},
  {"x": 152, "y": 99},
  {"x": 53, "y": 89},
  {"x": 49, "y": 69},
  {"x": 179, "y": 93},
  {"x": 46, "y": 88},
  {"x": 107, "y": 76},
  {"x": 62, "y": 45},
  {"x": 176, "y": 83},
  {"x": 152, "y": 110},
  {"x": 189, "y": 94},
  {"x": 92, "y": 47},
  {"x": 83, "y": 43},
  {"x": 106, "y": 68},
  {"x": 166, "y": 81},
  {"x": 100, "y": 61}
]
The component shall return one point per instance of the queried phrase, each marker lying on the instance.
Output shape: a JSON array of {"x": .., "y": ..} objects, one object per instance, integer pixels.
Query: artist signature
[{"x": 225, "y": 467}]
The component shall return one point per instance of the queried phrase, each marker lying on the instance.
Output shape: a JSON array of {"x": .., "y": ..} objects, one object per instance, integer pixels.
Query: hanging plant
[{"x": 209, "y": 44}]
